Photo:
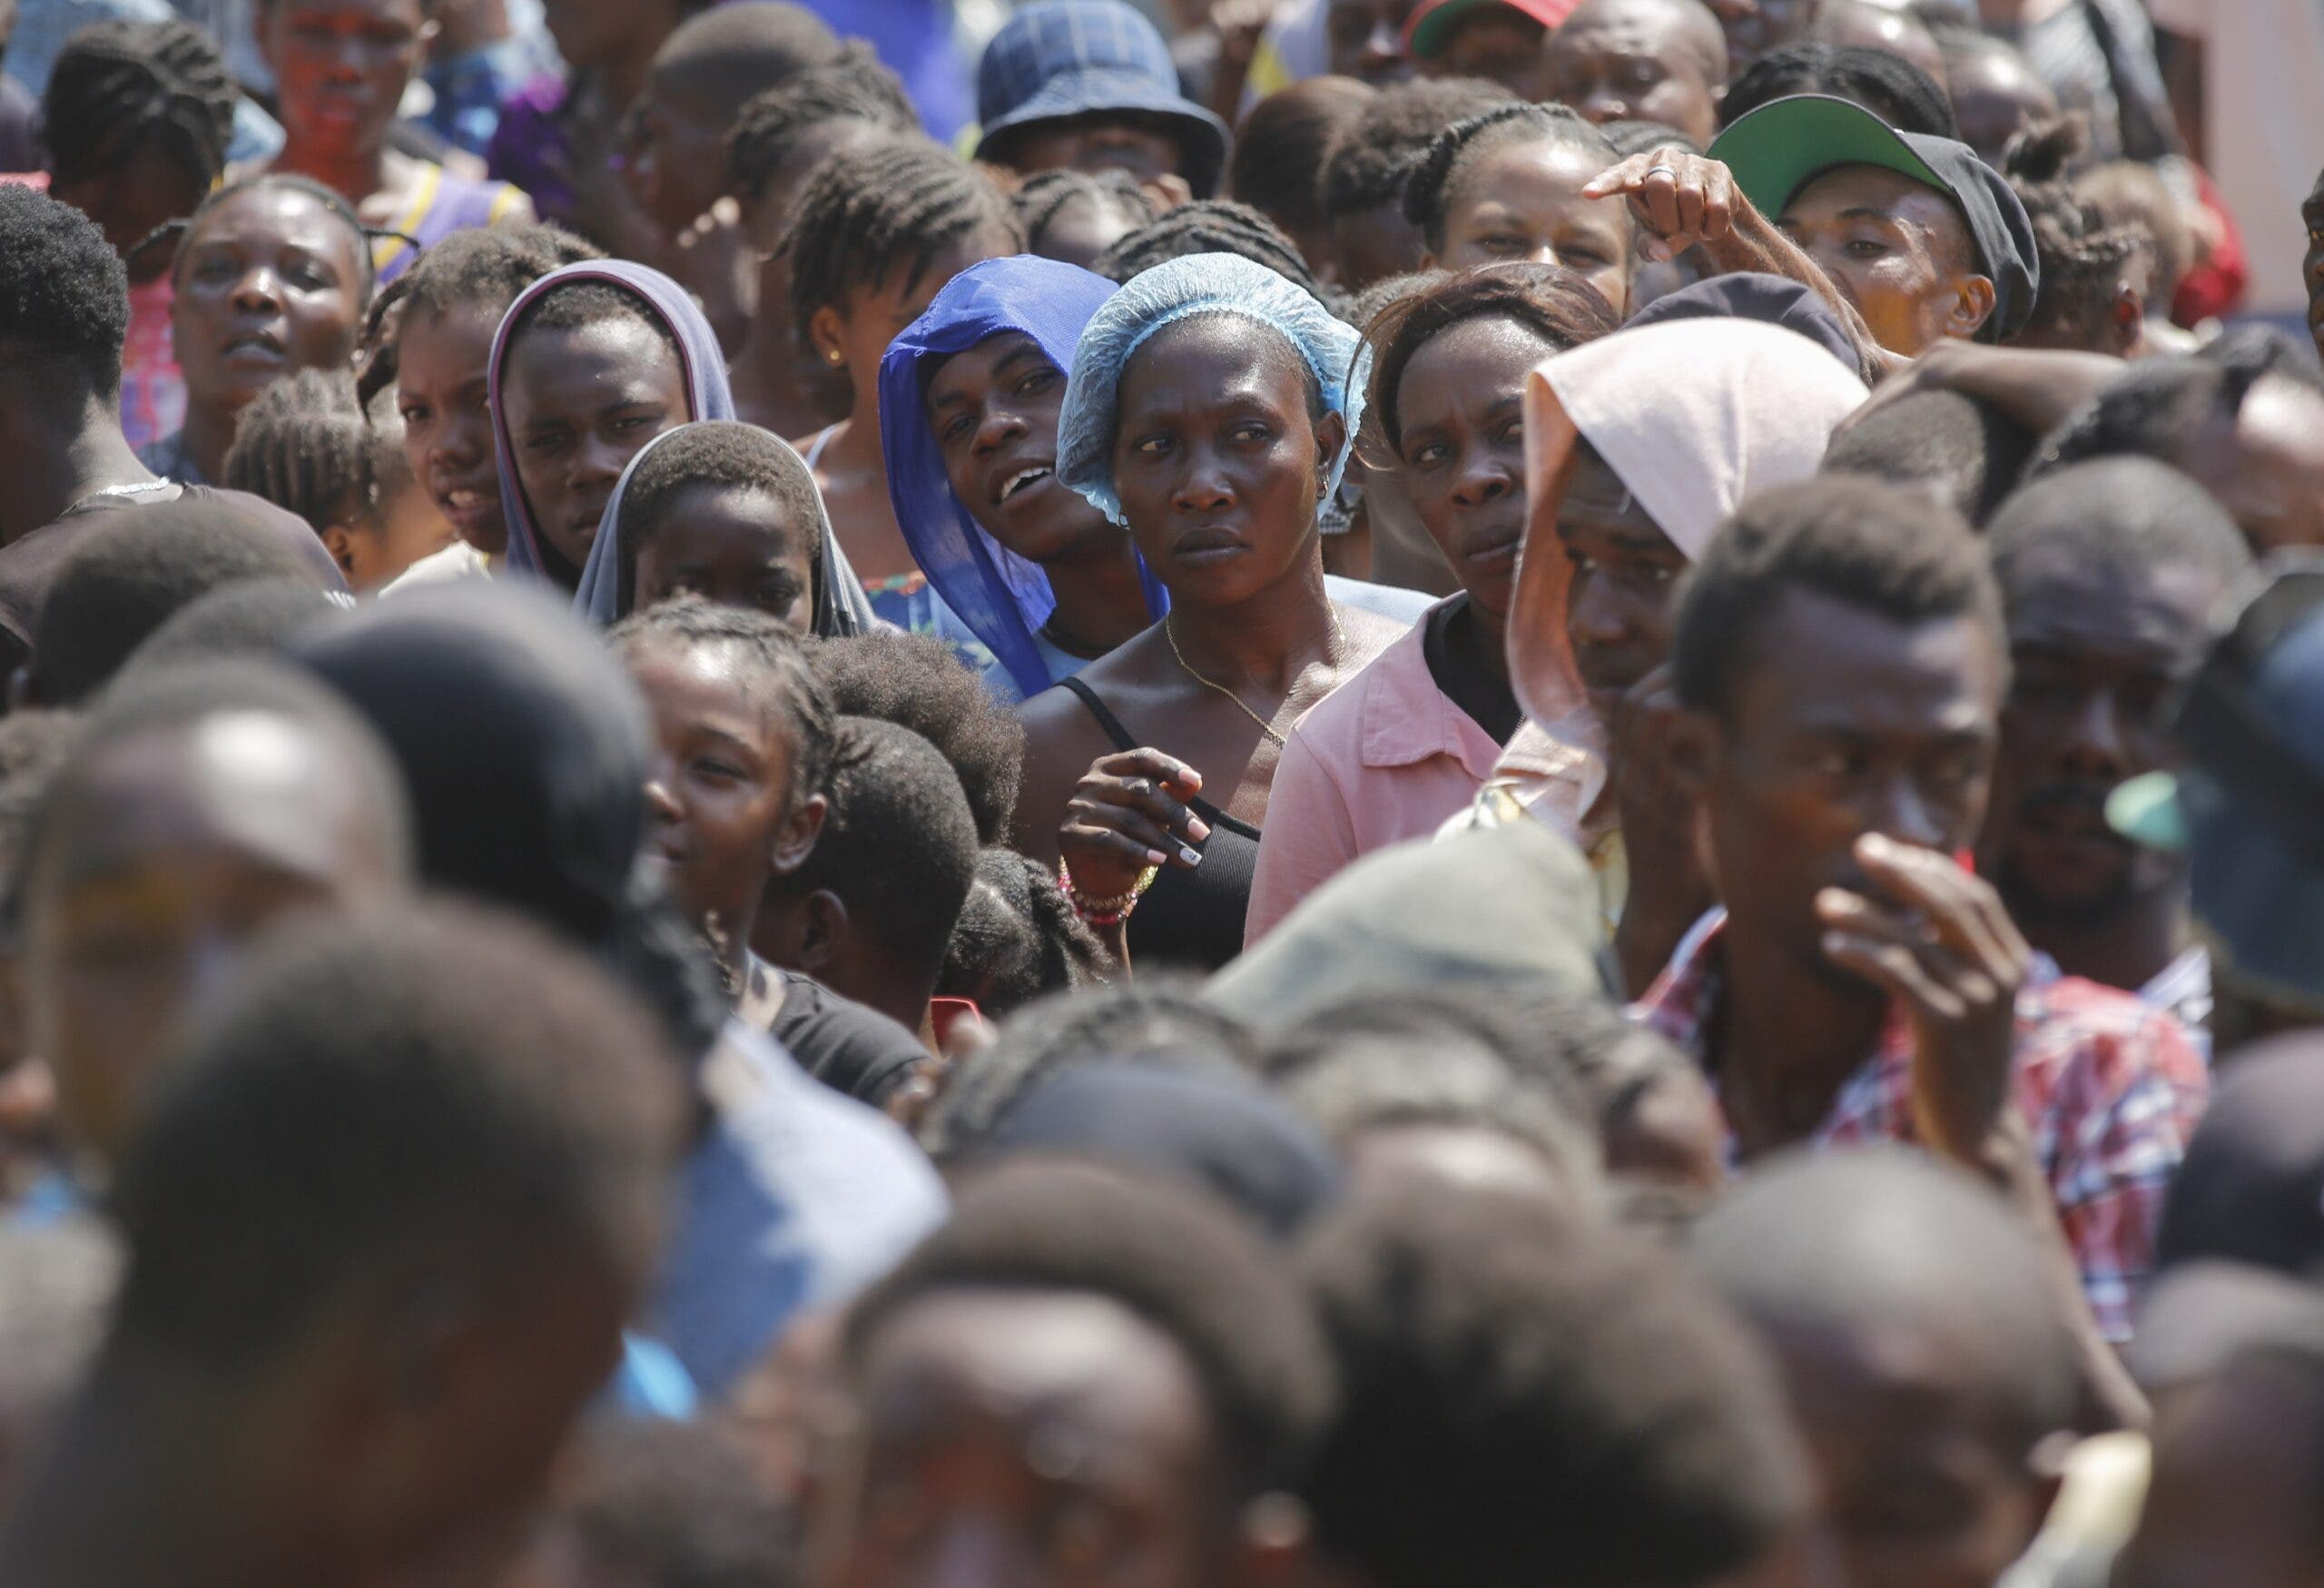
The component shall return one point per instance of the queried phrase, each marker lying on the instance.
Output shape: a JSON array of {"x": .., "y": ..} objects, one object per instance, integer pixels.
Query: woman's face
[
  {"x": 270, "y": 283},
  {"x": 443, "y": 364},
  {"x": 341, "y": 66},
  {"x": 580, "y": 404},
  {"x": 994, "y": 409},
  {"x": 1617, "y": 597},
  {"x": 1461, "y": 406},
  {"x": 735, "y": 545},
  {"x": 1217, "y": 461},
  {"x": 1523, "y": 201},
  {"x": 722, "y": 778},
  {"x": 855, "y": 339}
]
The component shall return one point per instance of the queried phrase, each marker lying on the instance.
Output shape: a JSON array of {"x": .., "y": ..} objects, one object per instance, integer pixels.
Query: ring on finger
[{"x": 1670, "y": 171}]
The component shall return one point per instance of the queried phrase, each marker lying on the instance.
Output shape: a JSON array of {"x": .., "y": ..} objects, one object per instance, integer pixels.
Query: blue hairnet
[{"x": 1200, "y": 283}]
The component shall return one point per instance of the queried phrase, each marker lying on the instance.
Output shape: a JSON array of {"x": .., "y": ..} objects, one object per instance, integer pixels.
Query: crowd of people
[{"x": 1237, "y": 793}]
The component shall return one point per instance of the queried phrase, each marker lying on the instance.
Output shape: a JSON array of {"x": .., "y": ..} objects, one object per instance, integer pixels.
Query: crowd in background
[{"x": 1228, "y": 794}]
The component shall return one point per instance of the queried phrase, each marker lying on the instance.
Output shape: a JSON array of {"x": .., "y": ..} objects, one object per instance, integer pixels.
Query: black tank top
[{"x": 1191, "y": 919}]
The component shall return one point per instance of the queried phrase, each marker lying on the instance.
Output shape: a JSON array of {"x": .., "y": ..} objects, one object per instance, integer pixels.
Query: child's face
[
  {"x": 734, "y": 546},
  {"x": 1523, "y": 202},
  {"x": 443, "y": 368},
  {"x": 855, "y": 339},
  {"x": 721, "y": 793},
  {"x": 579, "y": 405}
]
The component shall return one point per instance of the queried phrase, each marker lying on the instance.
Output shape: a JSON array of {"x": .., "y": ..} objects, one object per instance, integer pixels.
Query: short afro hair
[
  {"x": 1208, "y": 226},
  {"x": 674, "y": 1504},
  {"x": 712, "y": 456},
  {"x": 722, "y": 56},
  {"x": 1962, "y": 451},
  {"x": 126, "y": 578},
  {"x": 1154, "y": 1016},
  {"x": 1526, "y": 1400},
  {"x": 64, "y": 302},
  {"x": 1375, "y": 152},
  {"x": 1174, "y": 1257},
  {"x": 372, "y": 1097},
  {"x": 1888, "y": 85},
  {"x": 912, "y": 681},
  {"x": 774, "y": 661},
  {"x": 2131, "y": 518},
  {"x": 854, "y": 86},
  {"x": 1017, "y": 939},
  {"x": 899, "y": 845},
  {"x": 576, "y": 305},
  {"x": 1902, "y": 556},
  {"x": 1435, "y": 180}
]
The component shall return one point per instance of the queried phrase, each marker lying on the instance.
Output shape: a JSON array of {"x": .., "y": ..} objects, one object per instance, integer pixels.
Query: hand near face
[
  {"x": 1127, "y": 814},
  {"x": 1680, "y": 199},
  {"x": 1937, "y": 939}
]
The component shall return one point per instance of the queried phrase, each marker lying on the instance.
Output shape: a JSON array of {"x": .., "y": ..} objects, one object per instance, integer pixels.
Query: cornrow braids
[
  {"x": 1430, "y": 192},
  {"x": 2082, "y": 257},
  {"x": 304, "y": 445},
  {"x": 1036, "y": 200},
  {"x": 854, "y": 88},
  {"x": 118, "y": 85},
  {"x": 1208, "y": 226},
  {"x": 366, "y": 273},
  {"x": 891, "y": 207},
  {"x": 1551, "y": 300},
  {"x": 486, "y": 267},
  {"x": 1371, "y": 160}
]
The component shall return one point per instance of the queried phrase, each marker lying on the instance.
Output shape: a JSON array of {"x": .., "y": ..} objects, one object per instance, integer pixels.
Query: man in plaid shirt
[{"x": 1840, "y": 660}]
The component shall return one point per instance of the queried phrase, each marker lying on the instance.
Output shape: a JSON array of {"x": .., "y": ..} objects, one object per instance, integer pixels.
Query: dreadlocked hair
[
  {"x": 1209, "y": 226},
  {"x": 305, "y": 445},
  {"x": 1037, "y": 200},
  {"x": 855, "y": 87},
  {"x": 1429, "y": 192},
  {"x": 485, "y": 267},
  {"x": 1550, "y": 300},
  {"x": 117, "y": 85},
  {"x": 366, "y": 274},
  {"x": 885, "y": 212},
  {"x": 2082, "y": 257}
]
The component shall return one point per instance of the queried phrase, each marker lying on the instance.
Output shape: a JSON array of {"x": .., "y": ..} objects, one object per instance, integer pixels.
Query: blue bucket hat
[{"x": 1059, "y": 59}]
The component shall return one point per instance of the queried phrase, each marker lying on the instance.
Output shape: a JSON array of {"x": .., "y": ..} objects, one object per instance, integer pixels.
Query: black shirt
[
  {"x": 1484, "y": 694},
  {"x": 843, "y": 1044}
]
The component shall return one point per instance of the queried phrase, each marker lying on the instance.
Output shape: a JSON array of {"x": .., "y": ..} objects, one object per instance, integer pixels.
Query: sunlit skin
[
  {"x": 1083, "y": 227},
  {"x": 1640, "y": 61},
  {"x": 1522, "y": 201},
  {"x": 181, "y": 847},
  {"x": 374, "y": 545},
  {"x": 1624, "y": 571},
  {"x": 1756, "y": 26},
  {"x": 850, "y": 470},
  {"x": 994, "y": 408},
  {"x": 1498, "y": 43},
  {"x": 722, "y": 796},
  {"x": 675, "y": 164},
  {"x": 1872, "y": 24},
  {"x": 2098, "y": 661},
  {"x": 579, "y": 404},
  {"x": 2232, "y": 1498},
  {"x": 732, "y": 545},
  {"x": 1366, "y": 39},
  {"x": 443, "y": 367},
  {"x": 270, "y": 283},
  {"x": 2266, "y": 468},
  {"x": 1027, "y": 1437},
  {"x": 1996, "y": 96},
  {"x": 1898, "y": 251},
  {"x": 1145, "y": 149}
]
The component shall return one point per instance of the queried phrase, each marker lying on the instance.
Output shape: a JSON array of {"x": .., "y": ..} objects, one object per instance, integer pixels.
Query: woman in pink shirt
[{"x": 1405, "y": 743}]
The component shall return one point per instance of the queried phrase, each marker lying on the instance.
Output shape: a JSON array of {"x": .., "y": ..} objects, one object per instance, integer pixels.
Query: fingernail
[
  {"x": 1156, "y": 857},
  {"x": 1198, "y": 829},
  {"x": 1832, "y": 942},
  {"x": 1190, "y": 854}
]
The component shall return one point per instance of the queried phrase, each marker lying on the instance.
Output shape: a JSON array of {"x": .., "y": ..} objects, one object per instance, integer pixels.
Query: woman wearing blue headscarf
[
  {"x": 1210, "y": 409},
  {"x": 969, "y": 398}
]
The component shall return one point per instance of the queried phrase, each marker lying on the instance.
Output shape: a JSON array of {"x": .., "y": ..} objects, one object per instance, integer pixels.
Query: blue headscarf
[{"x": 1001, "y": 596}]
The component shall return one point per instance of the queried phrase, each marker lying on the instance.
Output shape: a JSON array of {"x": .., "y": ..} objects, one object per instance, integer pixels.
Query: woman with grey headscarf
[{"x": 1210, "y": 409}]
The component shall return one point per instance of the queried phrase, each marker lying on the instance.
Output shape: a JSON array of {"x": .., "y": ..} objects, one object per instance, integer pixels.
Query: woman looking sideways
[{"x": 1209, "y": 411}]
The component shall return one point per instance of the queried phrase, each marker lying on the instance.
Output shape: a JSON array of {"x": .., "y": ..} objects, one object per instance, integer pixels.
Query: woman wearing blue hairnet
[{"x": 1209, "y": 409}]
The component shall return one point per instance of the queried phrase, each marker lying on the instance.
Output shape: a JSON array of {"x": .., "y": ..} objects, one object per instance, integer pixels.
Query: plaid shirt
[{"x": 2109, "y": 1087}]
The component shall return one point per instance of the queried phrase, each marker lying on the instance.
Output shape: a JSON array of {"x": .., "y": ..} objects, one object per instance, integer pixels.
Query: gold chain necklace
[{"x": 1339, "y": 643}]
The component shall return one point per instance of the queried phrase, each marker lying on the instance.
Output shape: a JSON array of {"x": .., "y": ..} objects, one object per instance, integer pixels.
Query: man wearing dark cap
[
  {"x": 1500, "y": 41},
  {"x": 1924, "y": 239},
  {"x": 1088, "y": 86}
]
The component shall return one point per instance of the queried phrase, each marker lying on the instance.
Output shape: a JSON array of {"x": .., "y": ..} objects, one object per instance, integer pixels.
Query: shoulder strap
[{"x": 1107, "y": 720}]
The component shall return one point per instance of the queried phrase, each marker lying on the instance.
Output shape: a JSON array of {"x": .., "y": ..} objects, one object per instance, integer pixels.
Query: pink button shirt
[{"x": 1385, "y": 757}]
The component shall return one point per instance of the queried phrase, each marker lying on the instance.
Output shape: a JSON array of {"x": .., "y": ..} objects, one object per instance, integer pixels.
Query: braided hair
[
  {"x": 1035, "y": 202},
  {"x": 341, "y": 209},
  {"x": 484, "y": 266},
  {"x": 2082, "y": 257},
  {"x": 1554, "y": 303},
  {"x": 1888, "y": 85},
  {"x": 855, "y": 87},
  {"x": 1435, "y": 180},
  {"x": 1373, "y": 158},
  {"x": 887, "y": 210},
  {"x": 305, "y": 445},
  {"x": 117, "y": 85},
  {"x": 1282, "y": 146},
  {"x": 1208, "y": 226}
]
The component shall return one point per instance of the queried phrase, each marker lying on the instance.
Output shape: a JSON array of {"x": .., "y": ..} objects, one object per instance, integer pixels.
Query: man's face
[
  {"x": 2098, "y": 658},
  {"x": 1498, "y": 44},
  {"x": 677, "y": 169},
  {"x": 1143, "y": 147},
  {"x": 1366, "y": 39},
  {"x": 1844, "y": 722},
  {"x": 2311, "y": 215},
  {"x": 1756, "y": 26},
  {"x": 1899, "y": 252},
  {"x": 1632, "y": 61}
]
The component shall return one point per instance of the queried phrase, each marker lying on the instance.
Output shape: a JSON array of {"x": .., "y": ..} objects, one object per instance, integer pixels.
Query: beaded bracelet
[{"x": 1102, "y": 913}]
